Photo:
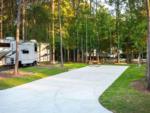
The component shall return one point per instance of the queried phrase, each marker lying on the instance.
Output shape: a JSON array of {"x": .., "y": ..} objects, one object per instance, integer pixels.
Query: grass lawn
[
  {"x": 38, "y": 73},
  {"x": 121, "y": 97},
  {"x": 74, "y": 65}
]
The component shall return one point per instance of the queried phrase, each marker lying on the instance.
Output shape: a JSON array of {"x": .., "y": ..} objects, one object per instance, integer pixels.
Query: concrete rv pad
[{"x": 76, "y": 91}]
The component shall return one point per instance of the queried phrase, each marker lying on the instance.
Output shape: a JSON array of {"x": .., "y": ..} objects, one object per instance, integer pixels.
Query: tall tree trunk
[
  {"x": 1, "y": 20},
  {"x": 53, "y": 33},
  {"x": 148, "y": 44},
  {"x": 82, "y": 52},
  {"x": 74, "y": 55},
  {"x": 77, "y": 34},
  {"x": 60, "y": 33},
  {"x": 139, "y": 59},
  {"x": 68, "y": 55},
  {"x": 50, "y": 52},
  {"x": 81, "y": 49},
  {"x": 86, "y": 45},
  {"x": 23, "y": 20},
  {"x": 117, "y": 29},
  {"x": 17, "y": 38},
  {"x": 77, "y": 55},
  {"x": 39, "y": 52}
]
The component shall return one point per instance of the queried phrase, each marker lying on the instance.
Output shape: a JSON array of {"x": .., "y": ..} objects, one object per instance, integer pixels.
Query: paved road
[{"x": 76, "y": 91}]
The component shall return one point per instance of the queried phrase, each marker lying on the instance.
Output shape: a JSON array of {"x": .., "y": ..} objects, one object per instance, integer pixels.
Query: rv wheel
[{"x": 34, "y": 63}]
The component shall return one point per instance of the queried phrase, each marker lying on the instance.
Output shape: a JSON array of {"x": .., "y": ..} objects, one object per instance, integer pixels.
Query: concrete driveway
[{"x": 76, "y": 91}]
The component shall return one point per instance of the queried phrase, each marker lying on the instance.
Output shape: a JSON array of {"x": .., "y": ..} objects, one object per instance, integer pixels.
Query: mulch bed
[
  {"x": 141, "y": 86},
  {"x": 10, "y": 74}
]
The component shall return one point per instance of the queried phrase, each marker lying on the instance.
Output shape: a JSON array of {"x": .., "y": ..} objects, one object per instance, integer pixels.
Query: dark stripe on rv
[{"x": 4, "y": 44}]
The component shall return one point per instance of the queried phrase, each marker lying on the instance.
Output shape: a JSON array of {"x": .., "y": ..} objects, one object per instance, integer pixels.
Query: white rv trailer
[{"x": 27, "y": 51}]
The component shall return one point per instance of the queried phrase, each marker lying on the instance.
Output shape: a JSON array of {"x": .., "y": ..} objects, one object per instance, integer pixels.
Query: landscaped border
[
  {"x": 37, "y": 73},
  {"x": 122, "y": 97}
]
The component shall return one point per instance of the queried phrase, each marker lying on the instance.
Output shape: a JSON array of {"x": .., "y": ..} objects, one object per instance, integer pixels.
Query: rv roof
[{"x": 10, "y": 38}]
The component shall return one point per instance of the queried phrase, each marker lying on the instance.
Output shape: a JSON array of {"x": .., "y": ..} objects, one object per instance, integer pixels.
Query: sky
[
  {"x": 102, "y": 2},
  {"x": 110, "y": 8}
]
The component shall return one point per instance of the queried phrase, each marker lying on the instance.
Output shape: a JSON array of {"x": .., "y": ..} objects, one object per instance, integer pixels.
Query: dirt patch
[
  {"x": 141, "y": 86},
  {"x": 10, "y": 74}
]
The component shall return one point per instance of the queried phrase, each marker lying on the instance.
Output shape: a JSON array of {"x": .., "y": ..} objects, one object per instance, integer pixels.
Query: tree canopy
[{"x": 87, "y": 25}]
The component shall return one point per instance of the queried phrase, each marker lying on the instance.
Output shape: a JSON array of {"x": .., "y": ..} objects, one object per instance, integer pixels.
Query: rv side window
[
  {"x": 35, "y": 48},
  {"x": 25, "y": 51},
  {"x": 4, "y": 44}
]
